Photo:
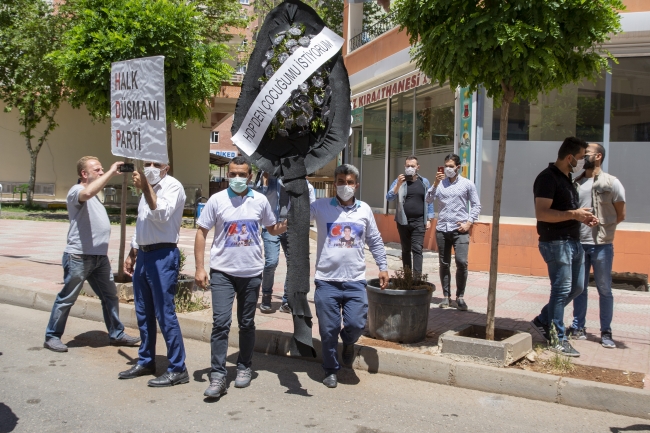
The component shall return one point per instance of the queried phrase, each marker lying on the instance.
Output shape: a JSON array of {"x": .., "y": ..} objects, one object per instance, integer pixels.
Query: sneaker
[
  {"x": 284, "y": 308},
  {"x": 606, "y": 340},
  {"x": 541, "y": 328},
  {"x": 125, "y": 340},
  {"x": 265, "y": 306},
  {"x": 565, "y": 348},
  {"x": 55, "y": 345},
  {"x": 218, "y": 386},
  {"x": 577, "y": 333},
  {"x": 461, "y": 305},
  {"x": 444, "y": 303},
  {"x": 243, "y": 378}
]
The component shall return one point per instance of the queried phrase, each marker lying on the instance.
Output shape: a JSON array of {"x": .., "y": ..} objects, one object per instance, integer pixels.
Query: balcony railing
[{"x": 372, "y": 31}]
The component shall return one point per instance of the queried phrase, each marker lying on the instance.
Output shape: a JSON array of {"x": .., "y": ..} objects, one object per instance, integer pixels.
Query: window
[
  {"x": 630, "y": 114},
  {"x": 214, "y": 137},
  {"x": 401, "y": 135},
  {"x": 241, "y": 69},
  {"x": 244, "y": 2},
  {"x": 434, "y": 127},
  {"x": 373, "y": 160}
]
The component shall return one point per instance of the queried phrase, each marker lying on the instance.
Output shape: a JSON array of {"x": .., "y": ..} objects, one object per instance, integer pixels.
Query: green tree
[
  {"x": 189, "y": 34},
  {"x": 515, "y": 49},
  {"x": 29, "y": 80}
]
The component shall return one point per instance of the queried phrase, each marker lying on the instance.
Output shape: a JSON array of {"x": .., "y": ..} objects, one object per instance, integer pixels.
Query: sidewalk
[{"x": 30, "y": 256}]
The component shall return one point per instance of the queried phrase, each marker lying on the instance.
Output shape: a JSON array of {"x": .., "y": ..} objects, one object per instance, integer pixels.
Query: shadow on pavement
[
  {"x": 635, "y": 427},
  {"x": 8, "y": 419}
]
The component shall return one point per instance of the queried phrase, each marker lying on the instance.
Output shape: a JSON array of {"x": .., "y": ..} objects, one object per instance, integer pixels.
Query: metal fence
[{"x": 372, "y": 31}]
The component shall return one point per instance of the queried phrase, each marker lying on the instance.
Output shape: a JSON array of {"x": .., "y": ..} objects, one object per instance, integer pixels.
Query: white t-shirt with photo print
[{"x": 237, "y": 247}]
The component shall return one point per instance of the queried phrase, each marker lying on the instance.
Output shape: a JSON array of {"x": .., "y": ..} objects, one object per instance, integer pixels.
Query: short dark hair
[
  {"x": 571, "y": 146},
  {"x": 240, "y": 160},
  {"x": 453, "y": 157},
  {"x": 347, "y": 228},
  {"x": 601, "y": 150},
  {"x": 411, "y": 158},
  {"x": 346, "y": 169}
]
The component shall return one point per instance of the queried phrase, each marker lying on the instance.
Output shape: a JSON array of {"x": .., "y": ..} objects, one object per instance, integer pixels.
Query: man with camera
[
  {"x": 85, "y": 256},
  {"x": 153, "y": 262},
  {"x": 413, "y": 214}
]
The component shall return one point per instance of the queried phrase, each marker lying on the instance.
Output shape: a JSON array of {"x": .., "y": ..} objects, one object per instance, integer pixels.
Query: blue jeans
[
  {"x": 224, "y": 288},
  {"x": 154, "y": 286},
  {"x": 333, "y": 299},
  {"x": 601, "y": 258},
  {"x": 271, "y": 258},
  {"x": 565, "y": 262},
  {"x": 78, "y": 268}
]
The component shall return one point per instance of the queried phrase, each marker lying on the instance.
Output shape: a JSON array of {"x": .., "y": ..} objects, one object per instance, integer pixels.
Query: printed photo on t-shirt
[
  {"x": 344, "y": 235},
  {"x": 242, "y": 233}
]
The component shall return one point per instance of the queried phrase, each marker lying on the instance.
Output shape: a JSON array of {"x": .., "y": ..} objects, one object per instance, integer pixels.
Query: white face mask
[
  {"x": 345, "y": 192},
  {"x": 409, "y": 171},
  {"x": 579, "y": 166},
  {"x": 450, "y": 172},
  {"x": 152, "y": 174}
]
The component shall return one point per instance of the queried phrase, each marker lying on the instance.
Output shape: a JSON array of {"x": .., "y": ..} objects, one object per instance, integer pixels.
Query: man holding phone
[
  {"x": 413, "y": 215},
  {"x": 454, "y": 193}
]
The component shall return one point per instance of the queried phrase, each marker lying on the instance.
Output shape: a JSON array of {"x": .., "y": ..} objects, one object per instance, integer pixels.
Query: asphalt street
[{"x": 78, "y": 391}]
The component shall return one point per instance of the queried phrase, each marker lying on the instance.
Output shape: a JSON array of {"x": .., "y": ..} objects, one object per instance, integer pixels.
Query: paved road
[{"x": 78, "y": 392}]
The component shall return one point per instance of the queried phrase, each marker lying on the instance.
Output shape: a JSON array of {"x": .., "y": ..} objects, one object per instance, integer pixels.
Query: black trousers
[
  {"x": 460, "y": 242},
  {"x": 411, "y": 237}
]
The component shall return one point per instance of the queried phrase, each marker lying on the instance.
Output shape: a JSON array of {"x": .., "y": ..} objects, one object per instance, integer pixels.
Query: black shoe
[
  {"x": 125, "y": 340},
  {"x": 541, "y": 328},
  {"x": 347, "y": 356},
  {"x": 461, "y": 305},
  {"x": 170, "y": 378},
  {"x": 265, "y": 306},
  {"x": 331, "y": 380},
  {"x": 136, "y": 371}
]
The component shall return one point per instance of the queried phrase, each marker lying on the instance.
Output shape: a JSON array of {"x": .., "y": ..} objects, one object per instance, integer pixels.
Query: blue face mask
[{"x": 238, "y": 184}]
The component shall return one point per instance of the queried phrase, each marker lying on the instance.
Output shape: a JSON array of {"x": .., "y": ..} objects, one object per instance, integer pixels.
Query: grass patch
[{"x": 23, "y": 208}]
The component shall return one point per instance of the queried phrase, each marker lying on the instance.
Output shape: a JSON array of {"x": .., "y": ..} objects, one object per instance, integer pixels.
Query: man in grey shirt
[{"x": 85, "y": 256}]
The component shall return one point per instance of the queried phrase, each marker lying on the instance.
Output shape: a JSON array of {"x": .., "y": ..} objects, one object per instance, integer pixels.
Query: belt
[{"x": 153, "y": 247}]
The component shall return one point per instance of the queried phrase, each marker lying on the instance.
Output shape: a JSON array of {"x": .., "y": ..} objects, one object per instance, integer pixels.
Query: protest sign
[{"x": 138, "y": 120}]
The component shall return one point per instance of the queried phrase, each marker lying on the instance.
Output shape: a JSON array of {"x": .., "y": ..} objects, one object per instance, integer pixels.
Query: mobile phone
[
  {"x": 127, "y": 168},
  {"x": 441, "y": 169},
  {"x": 409, "y": 178}
]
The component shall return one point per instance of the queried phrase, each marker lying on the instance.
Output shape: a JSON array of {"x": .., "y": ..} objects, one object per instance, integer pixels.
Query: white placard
[
  {"x": 294, "y": 71},
  {"x": 138, "y": 116}
]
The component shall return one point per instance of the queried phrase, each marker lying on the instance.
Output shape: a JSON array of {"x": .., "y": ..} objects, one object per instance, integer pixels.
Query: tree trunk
[
  {"x": 33, "y": 157},
  {"x": 170, "y": 150},
  {"x": 120, "y": 260},
  {"x": 496, "y": 214}
]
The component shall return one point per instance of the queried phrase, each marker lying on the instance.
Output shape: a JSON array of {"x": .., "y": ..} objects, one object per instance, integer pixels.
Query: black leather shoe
[
  {"x": 331, "y": 380},
  {"x": 348, "y": 355},
  {"x": 170, "y": 378},
  {"x": 125, "y": 340},
  {"x": 136, "y": 371}
]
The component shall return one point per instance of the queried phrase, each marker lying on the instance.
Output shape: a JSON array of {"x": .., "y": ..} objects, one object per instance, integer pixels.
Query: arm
[
  {"x": 376, "y": 247},
  {"x": 475, "y": 204},
  {"x": 394, "y": 188},
  {"x": 312, "y": 193},
  {"x": 277, "y": 228},
  {"x": 162, "y": 207},
  {"x": 200, "y": 276},
  {"x": 268, "y": 220},
  {"x": 620, "y": 211},
  {"x": 98, "y": 184},
  {"x": 129, "y": 263},
  {"x": 431, "y": 194},
  {"x": 543, "y": 212}
]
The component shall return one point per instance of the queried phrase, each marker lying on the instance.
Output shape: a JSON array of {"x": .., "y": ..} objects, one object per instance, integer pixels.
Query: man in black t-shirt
[
  {"x": 558, "y": 226},
  {"x": 413, "y": 215}
]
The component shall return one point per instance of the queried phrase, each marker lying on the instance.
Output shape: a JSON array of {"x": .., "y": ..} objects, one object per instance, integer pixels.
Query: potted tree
[{"x": 400, "y": 313}]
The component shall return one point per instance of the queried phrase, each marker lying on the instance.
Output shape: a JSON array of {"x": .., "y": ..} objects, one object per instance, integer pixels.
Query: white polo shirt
[{"x": 237, "y": 247}]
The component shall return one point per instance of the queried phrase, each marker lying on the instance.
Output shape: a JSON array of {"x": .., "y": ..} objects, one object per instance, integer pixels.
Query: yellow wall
[{"x": 77, "y": 136}]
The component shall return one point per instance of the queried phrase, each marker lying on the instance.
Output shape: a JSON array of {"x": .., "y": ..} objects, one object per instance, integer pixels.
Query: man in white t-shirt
[
  {"x": 340, "y": 278},
  {"x": 85, "y": 256},
  {"x": 605, "y": 195},
  {"x": 235, "y": 268}
]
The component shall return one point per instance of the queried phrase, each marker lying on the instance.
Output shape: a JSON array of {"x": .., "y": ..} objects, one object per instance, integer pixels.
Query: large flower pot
[{"x": 398, "y": 315}]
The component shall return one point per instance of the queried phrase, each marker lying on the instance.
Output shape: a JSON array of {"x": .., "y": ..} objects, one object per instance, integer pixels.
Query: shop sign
[
  {"x": 226, "y": 154},
  {"x": 465, "y": 137},
  {"x": 391, "y": 88}
]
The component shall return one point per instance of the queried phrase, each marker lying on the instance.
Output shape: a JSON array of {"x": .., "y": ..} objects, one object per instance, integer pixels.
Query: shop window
[
  {"x": 434, "y": 127},
  {"x": 401, "y": 135},
  {"x": 630, "y": 115},
  {"x": 373, "y": 159}
]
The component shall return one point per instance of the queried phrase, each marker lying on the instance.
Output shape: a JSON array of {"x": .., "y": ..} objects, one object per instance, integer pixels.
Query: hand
[
  {"x": 400, "y": 180},
  {"x": 137, "y": 179},
  {"x": 464, "y": 227},
  {"x": 428, "y": 224},
  {"x": 591, "y": 222},
  {"x": 383, "y": 279},
  {"x": 265, "y": 179},
  {"x": 115, "y": 168},
  {"x": 201, "y": 279},
  {"x": 439, "y": 178},
  {"x": 129, "y": 264},
  {"x": 584, "y": 215}
]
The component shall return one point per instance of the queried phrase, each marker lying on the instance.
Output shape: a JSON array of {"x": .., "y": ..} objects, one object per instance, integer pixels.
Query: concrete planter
[
  {"x": 469, "y": 340},
  {"x": 398, "y": 315},
  {"x": 125, "y": 290}
]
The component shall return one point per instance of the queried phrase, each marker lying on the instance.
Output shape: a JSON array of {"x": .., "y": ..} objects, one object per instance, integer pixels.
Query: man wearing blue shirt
[
  {"x": 453, "y": 193},
  {"x": 413, "y": 214}
]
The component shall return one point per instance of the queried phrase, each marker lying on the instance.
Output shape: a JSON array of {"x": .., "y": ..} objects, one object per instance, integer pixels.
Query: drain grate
[{"x": 626, "y": 281}]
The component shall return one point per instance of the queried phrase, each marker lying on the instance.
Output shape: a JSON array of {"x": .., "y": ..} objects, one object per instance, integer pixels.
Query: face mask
[
  {"x": 152, "y": 174},
  {"x": 589, "y": 163},
  {"x": 345, "y": 192},
  {"x": 409, "y": 171},
  {"x": 579, "y": 165},
  {"x": 450, "y": 172},
  {"x": 238, "y": 184}
]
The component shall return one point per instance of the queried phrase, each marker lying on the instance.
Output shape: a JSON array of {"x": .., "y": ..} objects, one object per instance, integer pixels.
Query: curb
[{"x": 584, "y": 394}]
